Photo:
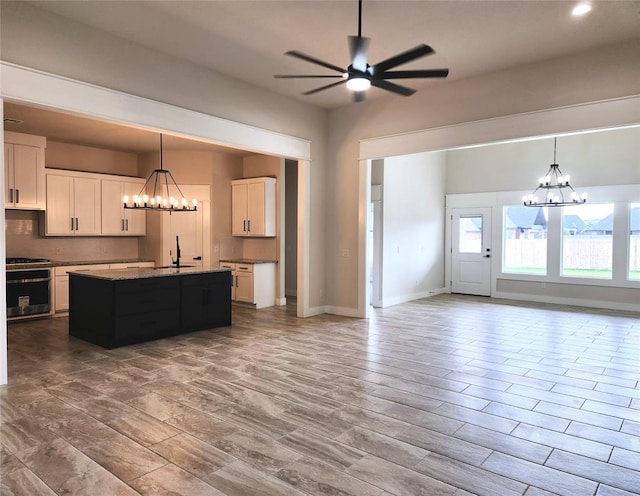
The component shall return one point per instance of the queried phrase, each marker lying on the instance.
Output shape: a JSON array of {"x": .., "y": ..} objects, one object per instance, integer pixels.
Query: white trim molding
[
  {"x": 552, "y": 122},
  {"x": 23, "y": 84},
  {"x": 600, "y": 115},
  {"x": 29, "y": 86}
]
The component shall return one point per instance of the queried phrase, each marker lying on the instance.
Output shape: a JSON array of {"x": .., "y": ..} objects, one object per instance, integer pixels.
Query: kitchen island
[{"x": 120, "y": 307}]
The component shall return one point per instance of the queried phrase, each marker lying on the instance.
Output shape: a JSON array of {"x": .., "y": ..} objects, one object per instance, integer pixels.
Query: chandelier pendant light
[
  {"x": 166, "y": 195},
  {"x": 555, "y": 187}
]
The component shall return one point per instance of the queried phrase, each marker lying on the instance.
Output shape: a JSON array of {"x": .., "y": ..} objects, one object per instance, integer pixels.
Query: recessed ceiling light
[{"x": 581, "y": 9}]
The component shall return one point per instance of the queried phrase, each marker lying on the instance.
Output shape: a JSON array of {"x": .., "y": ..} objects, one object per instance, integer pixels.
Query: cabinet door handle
[
  {"x": 249, "y": 225},
  {"x": 17, "y": 195},
  {"x": 127, "y": 224},
  {"x": 77, "y": 224},
  {"x": 122, "y": 224},
  {"x": 10, "y": 195},
  {"x": 244, "y": 226},
  {"x": 72, "y": 223},
  {"x": 236, "y": 281}
]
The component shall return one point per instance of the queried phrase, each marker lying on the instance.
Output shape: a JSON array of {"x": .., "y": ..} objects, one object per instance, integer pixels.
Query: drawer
[
  {"x": 242, "y": 267},
  {"x": 65, "y": 269}
]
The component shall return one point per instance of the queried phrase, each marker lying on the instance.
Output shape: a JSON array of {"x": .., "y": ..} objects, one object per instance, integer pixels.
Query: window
[
  {"x": 470, "y": 235},
  {"x": 587, "y": 241},
  {"x": 634, "y": 241},
  {"x": 525, "y": 240}
]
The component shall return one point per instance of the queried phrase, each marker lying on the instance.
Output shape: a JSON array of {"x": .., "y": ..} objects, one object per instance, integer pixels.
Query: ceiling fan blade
[
  {"x": 303, "y": 76},
  {"x": 428, "y": 73},
  {"x": 403, "y": 58},
  {"x": 394, "y": 88},
  {"x": 358, "y": 46},
  {"x": 311, "y": 92},
  {"x": 313, "y": 60}
]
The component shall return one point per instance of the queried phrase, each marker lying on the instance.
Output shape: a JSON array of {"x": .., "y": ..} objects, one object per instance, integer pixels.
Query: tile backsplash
[{"x": 23, "y": 239}]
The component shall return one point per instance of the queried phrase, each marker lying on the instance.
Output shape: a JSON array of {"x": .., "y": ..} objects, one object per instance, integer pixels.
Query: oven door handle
[{"x": 22, "y": 281}]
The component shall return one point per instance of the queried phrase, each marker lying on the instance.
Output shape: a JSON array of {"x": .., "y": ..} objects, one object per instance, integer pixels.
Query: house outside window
[
  {"x": 634, "y": 242},
  {"x": 525, "y": 240},
  {"x": 587, "y": 241}
]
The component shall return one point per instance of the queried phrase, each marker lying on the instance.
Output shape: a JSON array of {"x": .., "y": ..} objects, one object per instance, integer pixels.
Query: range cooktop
[{"x": 25, "y": 260}]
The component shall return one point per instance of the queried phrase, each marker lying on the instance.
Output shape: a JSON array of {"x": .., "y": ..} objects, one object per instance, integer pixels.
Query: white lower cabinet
[
  {"x": 61, "y": 279},
  {"x": 61, "y": 283},
  {"x": 253, "y": 283},
  {"x": 131, "y": 265}
]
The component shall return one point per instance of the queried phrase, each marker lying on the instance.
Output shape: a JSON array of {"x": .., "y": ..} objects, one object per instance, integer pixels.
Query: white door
[
  {"x": 187, "y": 226},
  {"x": 471, "y": 251},
  {"x": 192, "y": 228}
]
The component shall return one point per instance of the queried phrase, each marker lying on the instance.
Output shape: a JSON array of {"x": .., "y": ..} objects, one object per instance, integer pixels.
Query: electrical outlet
[{"x": 58, "y": 251}]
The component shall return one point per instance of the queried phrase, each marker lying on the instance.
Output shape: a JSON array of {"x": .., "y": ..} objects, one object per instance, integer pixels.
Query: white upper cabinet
[
  {"x": 90, "y": 204},
  {"x": 73, "y": 205},
  {"x": 117, "y": 220},
  {"x": 253, "y": 207},
  {"x": 24, "y": 171}
]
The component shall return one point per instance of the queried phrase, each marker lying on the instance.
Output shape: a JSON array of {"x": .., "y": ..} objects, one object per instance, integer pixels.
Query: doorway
[
  {"x": 374, "y": 257},
  {"x": 192, "y": 228},
  {"x": 471, "y": 251}
]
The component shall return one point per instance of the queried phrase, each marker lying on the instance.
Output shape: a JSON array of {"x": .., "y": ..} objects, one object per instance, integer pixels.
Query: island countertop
[{"x": 146, "y": 272}]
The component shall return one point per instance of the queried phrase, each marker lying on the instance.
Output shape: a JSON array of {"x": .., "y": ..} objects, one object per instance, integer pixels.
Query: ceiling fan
[{"x": 359, "y": 76}]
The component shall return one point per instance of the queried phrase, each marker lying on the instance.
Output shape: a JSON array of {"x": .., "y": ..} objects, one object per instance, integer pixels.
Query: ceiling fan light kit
[{"x": 359, "y": 76}]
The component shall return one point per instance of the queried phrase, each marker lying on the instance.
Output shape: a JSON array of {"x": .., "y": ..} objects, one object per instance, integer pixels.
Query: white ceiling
[{"x": 247, "y": 40}]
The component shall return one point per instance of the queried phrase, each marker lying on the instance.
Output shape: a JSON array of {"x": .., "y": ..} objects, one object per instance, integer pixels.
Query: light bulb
[
  {"x": 581, "y": 9},
  {"x": 125, "y": 199},
  {"x": 358, "y": 84},
  {"x": 194, "y": 202},
  {"x": 566, "y": 179}
]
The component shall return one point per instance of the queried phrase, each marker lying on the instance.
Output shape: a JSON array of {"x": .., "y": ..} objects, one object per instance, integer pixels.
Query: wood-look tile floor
[{"x": 449, "y": 395}]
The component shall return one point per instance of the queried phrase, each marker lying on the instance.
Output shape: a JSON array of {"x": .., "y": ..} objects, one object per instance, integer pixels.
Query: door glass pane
[
  {"x": 470, "y": 234},
  {"x": 587, "y": 241},
  {"x": 525, "y": 240},
  {"x": 634, "y": 242}
]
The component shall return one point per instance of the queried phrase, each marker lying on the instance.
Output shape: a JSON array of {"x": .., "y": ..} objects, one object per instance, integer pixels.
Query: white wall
[
  {"x": 413, "y": 226},
  {"x": 592, "y": 159},
  {"x": 605, "y": 165},
  {"x": 80, "y": 52},
  {"x": 602, "y": 74}
]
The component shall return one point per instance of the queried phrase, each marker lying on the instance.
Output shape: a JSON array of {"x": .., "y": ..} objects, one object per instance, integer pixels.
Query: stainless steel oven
[{"x": 28, "y": 287}]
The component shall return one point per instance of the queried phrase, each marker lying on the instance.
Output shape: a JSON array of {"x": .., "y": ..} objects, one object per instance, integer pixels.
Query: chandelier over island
[
  {"x": 165, "y": 196},
  {"x": 555, "y": 187}
]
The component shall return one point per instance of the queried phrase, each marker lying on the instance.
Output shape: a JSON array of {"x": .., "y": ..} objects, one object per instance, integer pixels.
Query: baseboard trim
[
  {"x": 396, "y": 300},
  {"x": 577, "y": 302}
]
